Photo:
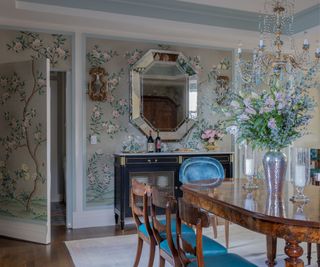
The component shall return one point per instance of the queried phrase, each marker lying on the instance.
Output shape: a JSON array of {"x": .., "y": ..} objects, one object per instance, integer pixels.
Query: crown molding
[{"x": 187, "y": 12}]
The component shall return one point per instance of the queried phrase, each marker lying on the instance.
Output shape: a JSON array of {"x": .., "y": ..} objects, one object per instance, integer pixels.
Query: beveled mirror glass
[{"x": 164, "y": 94}]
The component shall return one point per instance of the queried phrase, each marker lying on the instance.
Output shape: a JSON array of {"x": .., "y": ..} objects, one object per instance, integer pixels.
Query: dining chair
[
  {"x": 204, "y": 168},
  {"x": 194, "y": 216},
  {"x": 167, "y": 247},
  {"x": 140, "y": 197},
  {"x": 160, "y": 200}
]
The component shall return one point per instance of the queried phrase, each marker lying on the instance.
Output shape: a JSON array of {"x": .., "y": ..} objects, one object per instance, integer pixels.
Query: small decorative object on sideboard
[
  {"x": 157, "y": 142},
  {"x": 98, "y": 90},
  {"x": 210, "y": 136},
  {"x": 300, "y": 172},
  {"x": 150, "y": 143},
  {"x": 133, "y": 144}
]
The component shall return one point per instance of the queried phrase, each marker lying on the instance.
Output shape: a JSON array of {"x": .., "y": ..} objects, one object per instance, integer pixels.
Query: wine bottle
[
  {"x": 158, "y": 142},
  {"x": 150, "y": 143}
]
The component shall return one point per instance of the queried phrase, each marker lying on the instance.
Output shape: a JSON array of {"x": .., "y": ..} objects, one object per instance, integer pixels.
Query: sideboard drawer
[{"x": 151, "y": 160}]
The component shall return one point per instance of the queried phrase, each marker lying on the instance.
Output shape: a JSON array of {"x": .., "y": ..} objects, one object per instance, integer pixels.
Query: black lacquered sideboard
[{"x": 156, "y": 169}]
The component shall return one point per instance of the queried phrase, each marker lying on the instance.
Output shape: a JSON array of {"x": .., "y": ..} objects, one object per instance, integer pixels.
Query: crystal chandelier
[{"x": 276, "y": 57}]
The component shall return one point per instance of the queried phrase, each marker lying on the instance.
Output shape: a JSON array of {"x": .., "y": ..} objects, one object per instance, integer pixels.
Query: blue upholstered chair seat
[
  {"x": 201, "y": 168},
  {"x": 210, "y": 247},
  {"x": 184, "y": 228},
  {"x": 226, "y": 260}
]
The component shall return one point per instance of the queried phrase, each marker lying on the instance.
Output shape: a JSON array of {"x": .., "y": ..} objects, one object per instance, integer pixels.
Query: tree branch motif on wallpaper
[
  {"x": 22, "y": 166},
  {"x": 24, "y": 133},
  {"x": 31, "y": 41}
]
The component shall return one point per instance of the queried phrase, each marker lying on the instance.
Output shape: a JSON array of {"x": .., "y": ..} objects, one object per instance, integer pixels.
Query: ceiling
[{"x": 240, "y": 14}]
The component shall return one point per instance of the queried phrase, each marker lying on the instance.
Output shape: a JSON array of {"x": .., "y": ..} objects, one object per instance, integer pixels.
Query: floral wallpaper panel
[
  {"x": 109, "y": 120},
  {"x": 23, "y": 120}
]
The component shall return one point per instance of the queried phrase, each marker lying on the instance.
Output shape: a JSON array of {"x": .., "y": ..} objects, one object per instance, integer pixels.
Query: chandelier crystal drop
[{"x": 276, "y": 58}]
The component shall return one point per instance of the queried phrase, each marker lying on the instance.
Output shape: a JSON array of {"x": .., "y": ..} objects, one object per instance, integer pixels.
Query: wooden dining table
[{"x": 256, "y": 210}]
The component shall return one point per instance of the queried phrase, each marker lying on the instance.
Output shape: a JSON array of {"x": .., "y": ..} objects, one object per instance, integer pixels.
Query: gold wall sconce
[{"x": 98, "y": 86}]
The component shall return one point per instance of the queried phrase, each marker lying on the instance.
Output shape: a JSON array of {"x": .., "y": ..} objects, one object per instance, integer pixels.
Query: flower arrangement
[
  {"x": 272, "y": 119},
  {"x": 210, "y": 136}
]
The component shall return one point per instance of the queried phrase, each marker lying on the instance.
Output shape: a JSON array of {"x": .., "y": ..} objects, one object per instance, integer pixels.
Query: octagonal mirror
[{"x": 164, "y": 94}]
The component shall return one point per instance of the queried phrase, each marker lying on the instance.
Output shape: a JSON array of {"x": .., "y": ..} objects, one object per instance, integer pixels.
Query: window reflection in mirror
[
  {"x": 193, "y": 97},
  {"x": 164, "y": 95}
]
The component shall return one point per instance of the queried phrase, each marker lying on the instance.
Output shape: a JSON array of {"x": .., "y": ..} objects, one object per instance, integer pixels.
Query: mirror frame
[{"x": 136, "y": 89}]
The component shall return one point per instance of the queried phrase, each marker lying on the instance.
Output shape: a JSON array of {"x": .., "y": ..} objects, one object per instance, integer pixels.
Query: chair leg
[
  {"x": 151, "y": 253},
  {"x": 213, "y": 220},
  {"x": 226, "y": 232},
  {"x": 318, "y": 254},
  {"x": 309, "y": 253},
  {"x": 162, "y": 261},
  {"x": 138, "y": 254}
]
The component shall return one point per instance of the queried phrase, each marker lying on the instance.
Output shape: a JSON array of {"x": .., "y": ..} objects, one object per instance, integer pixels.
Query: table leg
[
  {"x": 293, "y": 251},
  {"x": 271, "y": 251}
]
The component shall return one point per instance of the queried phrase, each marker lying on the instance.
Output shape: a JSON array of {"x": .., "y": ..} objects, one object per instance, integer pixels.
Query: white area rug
[{"x": 119, "y": 251}]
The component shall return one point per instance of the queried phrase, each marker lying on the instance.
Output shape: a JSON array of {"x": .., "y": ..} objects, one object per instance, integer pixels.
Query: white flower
[
  {"x": 34, "y": 176},
  {"x": 232, "y": 130},
  {"x": 60, "y": 52},
  {"x": 36, "y": 43},
  {"x": 37, "y": 136},
  {"x": 42, "y": 82},
  {"x": 97, "y": 114},
  {"x": 122, "y": 102},
  {"x": 95, "y": 53},
  {"x": 106, "y": 55},
  {"x": 24, "y": 167},
  {"x": 115, "y": 114},
  {"x": 254, "y": 95},
  {"x": 114, "y": 82},
  {"x": 17, "y": 47},
  {"x": 110, "y": 98}
]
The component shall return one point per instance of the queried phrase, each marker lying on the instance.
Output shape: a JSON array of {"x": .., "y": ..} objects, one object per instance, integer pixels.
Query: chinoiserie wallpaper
[
  {"x": 23, "y": 119},
  {"x": 109, "y": 120}
]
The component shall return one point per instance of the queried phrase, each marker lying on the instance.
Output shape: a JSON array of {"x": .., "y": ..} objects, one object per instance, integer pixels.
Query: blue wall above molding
[{"x": 185, "y": 12}]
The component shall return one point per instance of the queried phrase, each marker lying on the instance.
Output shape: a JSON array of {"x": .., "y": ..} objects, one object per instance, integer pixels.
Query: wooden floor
[{"x": 15, "y": 253}]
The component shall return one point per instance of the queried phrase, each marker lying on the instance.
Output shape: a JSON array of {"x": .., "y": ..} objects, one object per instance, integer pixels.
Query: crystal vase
[{"x": 275, "y": 167}]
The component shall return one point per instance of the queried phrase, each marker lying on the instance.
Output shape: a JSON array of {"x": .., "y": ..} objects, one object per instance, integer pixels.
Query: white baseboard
[
  {"x": 93, "y": 218},
  {"x": 34, "y": 232}
]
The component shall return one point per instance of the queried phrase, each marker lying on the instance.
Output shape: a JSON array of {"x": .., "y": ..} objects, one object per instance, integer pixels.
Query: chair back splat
[
  {"x": 140, "y": 195},
  {"x": 164, "y": 200},
  {"x": 194, "y": 217}
]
